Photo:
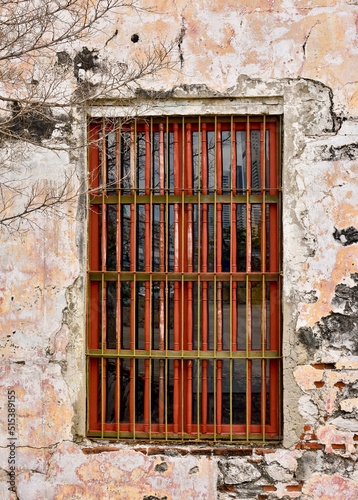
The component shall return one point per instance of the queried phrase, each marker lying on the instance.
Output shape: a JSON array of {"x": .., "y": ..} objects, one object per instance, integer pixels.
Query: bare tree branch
[{"x": 43, "y": 79}]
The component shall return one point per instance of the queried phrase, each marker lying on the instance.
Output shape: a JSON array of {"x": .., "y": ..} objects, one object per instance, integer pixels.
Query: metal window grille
[{"x": 184, "y": 330}]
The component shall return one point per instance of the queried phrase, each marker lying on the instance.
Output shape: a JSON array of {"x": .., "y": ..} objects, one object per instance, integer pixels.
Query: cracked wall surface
[{"x": 300, "y": 57}]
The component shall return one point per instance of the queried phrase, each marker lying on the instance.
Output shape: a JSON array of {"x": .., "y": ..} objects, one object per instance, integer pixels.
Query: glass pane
[
  {"x": 195, "y": 153},
  {"x": 226, "y": 314},
  {"x": 124, "y": 389},
  {"x": 141, "y": 243},
  {"x": 210, "y": 238},
  {"x": 125, "y": 314},
  {"x": 126, "y": 237},
  {"x": 255, "y": 237},
  {"x": 155, "y": 162},
  {"x": 241, "y": 161},
  {"x": 211, "y": 161},
  {"x": 111, "y": 305},
  {"x": 239, "y": 391},
  {"x": 226, "y": 244},
  {"x": 255, "y": 162},
  {"x": 141, "y": 162},
  {"x": 111, "y": 163},
  {"x": 139, "y": 390},
  {"x": 125, "y": 162},
  {"x": 225, "y": 387},
  {"x": 158, "y": 312},
  {"x": 140, "y": 314},
  {"x": 256, "y": 307},
  {"x": 158, "y": 238},
  {"x": 195, "y": 315},
  {"x": 210, "y": 388},
  {"x": 197, "y": 394},
  {"x": 241, "y": 315},
  {"x": 268, "y": 385},
  {"x": 226, "y": 160},
  {"x": 255, "y": 392},
  {"x": 241, "y": 238},
  {"x": 111, "y": 237},
  {"x": 169, "y": 170},
  {"x": 171, "y": 239},
  {"x": 210, "y": 314},
  {"x": 110, "y": 390}
]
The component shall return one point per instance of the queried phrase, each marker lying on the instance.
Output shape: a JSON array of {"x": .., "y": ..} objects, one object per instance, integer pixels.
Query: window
[{"x": 184, "y": 278}]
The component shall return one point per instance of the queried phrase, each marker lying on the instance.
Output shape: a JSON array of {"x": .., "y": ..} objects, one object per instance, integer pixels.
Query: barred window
[{"x": 184, "y": 321}]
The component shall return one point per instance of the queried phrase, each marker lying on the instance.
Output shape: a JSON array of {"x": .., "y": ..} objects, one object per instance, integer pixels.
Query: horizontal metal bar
[
  {"x": 94, "y": 353},
  {"x": 189, "y": 438},
  {"x": 188, "y": 198},
  {"x": 129, "y": 276}
]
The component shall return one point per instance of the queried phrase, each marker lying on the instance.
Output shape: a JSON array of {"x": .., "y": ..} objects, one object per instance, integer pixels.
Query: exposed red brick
[
  {"x": 202, "y": 451},
  {"x": 155, "y": 451},
  {"x": 319, "y": 384},
  {"x": 339, "y": 384},
  {"x": 254, "y": 460},
  {"x": 338, "y": 446},
  {"x": 263, "y": 497},
  {"x": 99, "y": 449},
  {"x": 324, "y": 366},
  {"x": 141, "y": 450},
  {"x": 263, "y": 451},
  {"x": 307, "y": 428},
  {"x": 308, "y": 437},
  {"x": 298, "y": 446},
  {"x": 230, "y": 452},
  {"x": 311, "y": 446},
  {"x": 270, "y": 487},
  {"x": 355, "y": 437},
  {"x": 294, "y": 487},
  {"x": 227, "y": 488}
]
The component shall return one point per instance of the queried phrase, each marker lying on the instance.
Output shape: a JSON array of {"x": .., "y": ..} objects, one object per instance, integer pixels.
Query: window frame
[{"x": 111, "y": 430}]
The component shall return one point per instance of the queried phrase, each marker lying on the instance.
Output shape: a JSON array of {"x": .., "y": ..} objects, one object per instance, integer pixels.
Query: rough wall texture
[{"x": 306, "y": 54}]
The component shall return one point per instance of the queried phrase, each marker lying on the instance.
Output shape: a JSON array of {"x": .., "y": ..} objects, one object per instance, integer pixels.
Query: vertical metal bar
[
  {"x": 150, "y": 357},
  {"x": 219, "y": 310},
  {"x": 182, "y": 276},
  {"x": 198, "y": 283},
  {"x": 150, "y": 277},
  {"x": 118, "y": 390},
  {"x": 147, "y": 256},
  {"x": 166, "y": 276},
  {"x": 102, "y": 397},
  {"x": 248, "y": 283},
  {"x": 176, "y": 321},
  {"x": 161, "y": 269},
  {"x": 263, "y": 267},
  {"x": 232, "y": 257},
  {"x": 118, "y": 255},
  {"x": 133, "y": 163},
  {"x": 215, "y": 269},
  {"x": 189, "y": 324},
  {"x": 204, "y": 388},
  {"x": 103, "y": 284}
]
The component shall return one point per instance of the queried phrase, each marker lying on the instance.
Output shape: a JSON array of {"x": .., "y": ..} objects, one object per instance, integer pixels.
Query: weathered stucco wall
[{"x": 304, "y": 56}]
